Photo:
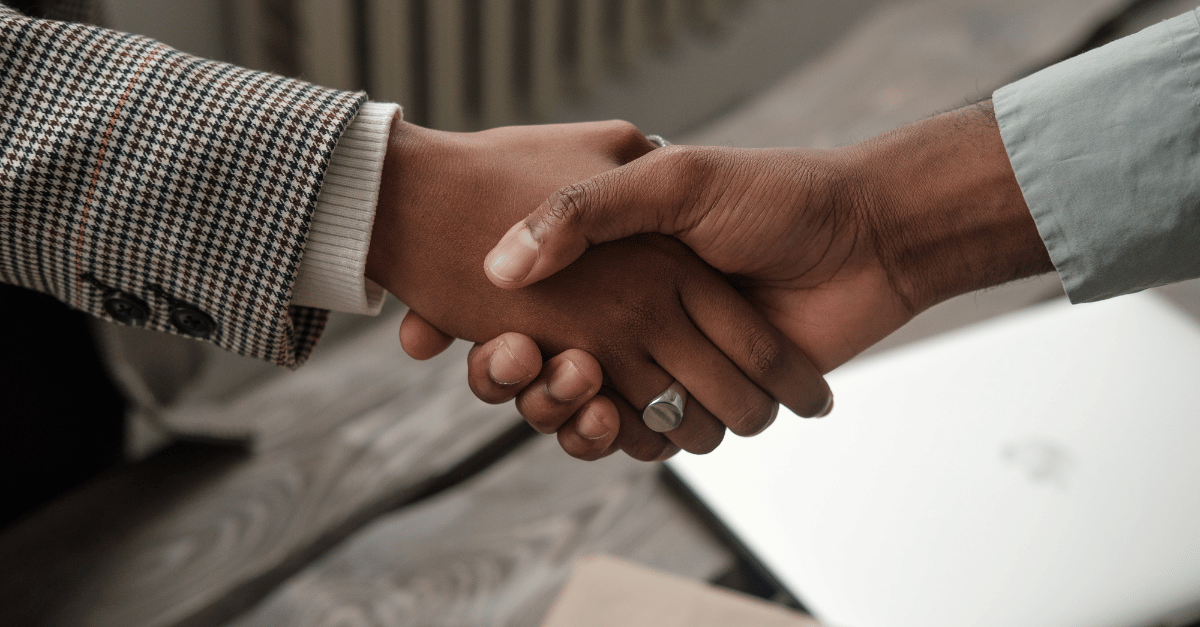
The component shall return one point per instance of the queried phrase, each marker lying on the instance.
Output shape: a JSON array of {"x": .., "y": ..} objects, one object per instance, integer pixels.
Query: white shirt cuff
[{"x": 332, "y": 272}]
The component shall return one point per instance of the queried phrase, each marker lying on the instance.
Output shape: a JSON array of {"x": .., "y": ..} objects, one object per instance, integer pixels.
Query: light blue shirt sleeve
[{"x": 1106, "y": 148}]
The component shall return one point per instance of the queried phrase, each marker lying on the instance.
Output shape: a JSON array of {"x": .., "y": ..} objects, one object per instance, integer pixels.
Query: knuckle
[
  {"x": 696, "y": 164},
  {"x": 569, "y": 204},
  {"x": 764, "y": 353},
  {"x": 625, "y": 132},
  {"x": 627, "y": 142},
  {"x": 622, "y": 133},
  {"x": 693, "y": 171}
]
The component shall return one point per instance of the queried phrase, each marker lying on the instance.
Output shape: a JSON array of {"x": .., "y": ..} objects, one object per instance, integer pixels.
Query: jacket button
[
  {"x": 192, "y": 321},
  {"x": 126, "y": 309}
]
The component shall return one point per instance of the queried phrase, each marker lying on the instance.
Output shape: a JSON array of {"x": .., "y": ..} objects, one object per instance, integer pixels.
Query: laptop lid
[{"x": 1041, "y": 469}]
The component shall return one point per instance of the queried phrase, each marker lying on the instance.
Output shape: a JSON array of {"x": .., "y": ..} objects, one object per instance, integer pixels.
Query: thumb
[{"x": 643, "y": 196}]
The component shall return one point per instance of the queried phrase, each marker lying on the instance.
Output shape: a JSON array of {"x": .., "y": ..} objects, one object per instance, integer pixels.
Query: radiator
[{"x": 466, "y": 64}]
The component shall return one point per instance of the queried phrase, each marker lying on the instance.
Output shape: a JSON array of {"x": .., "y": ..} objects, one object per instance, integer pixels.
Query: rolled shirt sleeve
[{"x": 1106, "y": 149}]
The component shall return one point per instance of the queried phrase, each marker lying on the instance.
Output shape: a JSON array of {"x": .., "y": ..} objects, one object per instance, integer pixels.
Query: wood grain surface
[
  {"x": 495, "y": 551},
  {"x": 195, "y": 534}
]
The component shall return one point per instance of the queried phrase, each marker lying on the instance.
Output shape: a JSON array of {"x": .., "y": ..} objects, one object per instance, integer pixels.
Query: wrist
[
  {"x": 408, "y": 146},
  {"x": 946, "y": 211}
]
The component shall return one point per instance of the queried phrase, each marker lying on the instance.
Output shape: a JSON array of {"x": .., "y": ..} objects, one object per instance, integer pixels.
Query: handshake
[{"x": 738, "y": 276}]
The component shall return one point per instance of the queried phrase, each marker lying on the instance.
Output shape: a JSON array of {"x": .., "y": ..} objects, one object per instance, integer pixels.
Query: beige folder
[{"x": 607, "y": 592}]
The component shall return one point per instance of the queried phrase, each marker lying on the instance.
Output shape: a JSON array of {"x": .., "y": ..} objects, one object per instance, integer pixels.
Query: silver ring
[
  {"x": 658, "y": 140},
  {"x": 665, "y": 412}
]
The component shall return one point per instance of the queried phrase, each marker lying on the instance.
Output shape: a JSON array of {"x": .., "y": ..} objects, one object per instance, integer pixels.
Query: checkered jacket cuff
[
  {"x": 150, "y": 187},
  {"x": 332, "y": 273}
]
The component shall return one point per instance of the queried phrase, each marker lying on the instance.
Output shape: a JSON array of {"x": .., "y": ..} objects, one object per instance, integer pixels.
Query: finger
[
  {"x": 568, "y": 380},
  {"x": 634, "y": 437},
  {"x": 500, "y": 369},
  {"x": 599, "y": 417},
  {"x": 623, "y": 140},
  {"x": 764, "y": 354},
  {"x": 648, "y": 195},
  {"x": 700, "y": 432},
  {"x": 420, "y": 339},
  {"x": 715, "y": 382}
]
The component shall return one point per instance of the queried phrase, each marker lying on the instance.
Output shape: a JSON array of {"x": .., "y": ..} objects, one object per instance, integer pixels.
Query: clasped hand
[
  {"x": 646, "y": 309},
  {"x": 795, "y": 261}
]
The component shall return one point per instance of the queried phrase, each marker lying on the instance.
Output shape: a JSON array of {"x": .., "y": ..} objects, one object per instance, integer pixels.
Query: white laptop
[{"x": 1037, "y": 470}]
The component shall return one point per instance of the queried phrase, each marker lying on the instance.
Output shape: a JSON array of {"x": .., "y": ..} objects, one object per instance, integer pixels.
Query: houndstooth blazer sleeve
[{"x": 151, "y": 187}]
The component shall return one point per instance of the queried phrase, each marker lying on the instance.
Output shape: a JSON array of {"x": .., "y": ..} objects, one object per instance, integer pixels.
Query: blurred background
[{"x": 666, "y": 65}]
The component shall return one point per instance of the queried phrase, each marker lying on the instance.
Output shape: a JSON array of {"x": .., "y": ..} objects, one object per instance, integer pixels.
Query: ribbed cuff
[{"x": 332, "y": 272}]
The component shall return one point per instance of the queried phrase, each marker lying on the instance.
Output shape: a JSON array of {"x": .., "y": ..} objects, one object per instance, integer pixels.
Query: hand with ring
[
  {"x": 665, "y": 412},
  {"x": 645, "y": 308},
  {"x": 836, "y": 248}
]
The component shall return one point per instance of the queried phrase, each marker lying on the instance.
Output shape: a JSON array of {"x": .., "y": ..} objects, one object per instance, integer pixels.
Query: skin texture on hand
[
  {"x": 837, "y": 248},
  {"x": 510, "y": 366},
  {"x": 646, "y": 308}
]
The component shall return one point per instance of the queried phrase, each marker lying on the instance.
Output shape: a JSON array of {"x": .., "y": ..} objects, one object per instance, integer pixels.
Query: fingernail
[
  {"x": 590, "y": 427},
  {"x": 828, "y": 408},
  {"x": 567, "y": 383},
  {"x": 503, "y": 367},
  {"x": 515, "y": 255}
]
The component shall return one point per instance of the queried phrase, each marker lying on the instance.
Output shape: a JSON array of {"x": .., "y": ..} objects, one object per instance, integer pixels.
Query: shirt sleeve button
[
  {"x": 126, "y": 309},
  {"x": 191, "y": 321}
]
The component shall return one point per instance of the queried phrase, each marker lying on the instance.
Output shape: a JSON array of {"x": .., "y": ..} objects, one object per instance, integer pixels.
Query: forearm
[{"x": 948, "y": 214}]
